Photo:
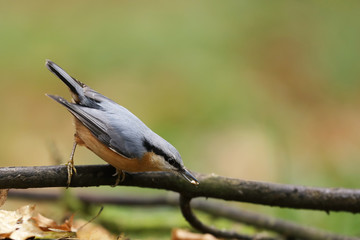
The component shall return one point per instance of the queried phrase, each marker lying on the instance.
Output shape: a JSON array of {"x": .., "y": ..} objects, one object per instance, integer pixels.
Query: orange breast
[{"x": 83, "y": 136}]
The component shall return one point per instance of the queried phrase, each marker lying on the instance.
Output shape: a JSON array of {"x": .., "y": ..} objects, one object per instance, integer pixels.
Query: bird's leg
[
  {"x": 70, "y": 165},
  {"x": 120, "y": 177}
]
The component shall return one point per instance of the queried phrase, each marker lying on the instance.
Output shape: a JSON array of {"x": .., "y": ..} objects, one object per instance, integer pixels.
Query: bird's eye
[{"x": 171, "y": 161}]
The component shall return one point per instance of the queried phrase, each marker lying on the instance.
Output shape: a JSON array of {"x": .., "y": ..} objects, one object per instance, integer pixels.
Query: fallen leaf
[
  {"x": 47, "y": 224},
  {"x": 24, "y": 223},
  {"x": 18, "y": 224},
  {"x": 3, "y": 196},
  {"x": 181, "y": 234},
  {"x": 43, "y": 222}
]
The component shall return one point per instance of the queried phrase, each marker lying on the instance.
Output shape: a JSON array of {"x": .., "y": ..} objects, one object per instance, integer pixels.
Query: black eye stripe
[
  {"x": 173, "y": 163},
  {"x": 151, "y": 148}
]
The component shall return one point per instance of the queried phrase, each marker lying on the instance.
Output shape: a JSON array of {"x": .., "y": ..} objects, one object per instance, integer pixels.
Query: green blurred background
[{"x": 258, "y": 90}]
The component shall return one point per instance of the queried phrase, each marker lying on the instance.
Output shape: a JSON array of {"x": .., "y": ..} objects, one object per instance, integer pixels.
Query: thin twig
[
  {"x": 327, "y": 199},
  {"x": 92, "y": 219}
]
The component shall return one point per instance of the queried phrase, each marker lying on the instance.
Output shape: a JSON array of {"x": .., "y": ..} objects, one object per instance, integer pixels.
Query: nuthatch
[{"x": 115, "y": 134}]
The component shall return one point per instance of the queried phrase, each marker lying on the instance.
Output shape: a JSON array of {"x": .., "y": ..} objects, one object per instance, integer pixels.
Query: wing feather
[{"x": 97, "y": 121}]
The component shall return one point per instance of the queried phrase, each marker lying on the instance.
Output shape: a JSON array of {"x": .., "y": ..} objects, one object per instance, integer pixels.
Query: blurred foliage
[{"x": 261, "y": 90}]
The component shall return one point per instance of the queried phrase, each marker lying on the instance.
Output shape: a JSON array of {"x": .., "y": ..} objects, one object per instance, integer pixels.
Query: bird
[{"x": 115, "y": 134}]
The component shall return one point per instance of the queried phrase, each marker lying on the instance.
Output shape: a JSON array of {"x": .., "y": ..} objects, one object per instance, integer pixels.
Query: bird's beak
[{"x": 188, "y": 176}]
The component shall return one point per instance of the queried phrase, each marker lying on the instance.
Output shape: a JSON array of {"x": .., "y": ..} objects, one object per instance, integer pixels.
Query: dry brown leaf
[
  {"x": 24, "y": 223},
  {"x": 43, "y": 222},
  {"x": 18, "y": 224},
  {"x": 67, "y": 225},
  {"x": 3, "y": 196},
  {"x": 92, "y": 231},
  {"x": 181, "y": 234},
  {"x": 47, "y": 224},
  {"x": 5, "y": 235}
]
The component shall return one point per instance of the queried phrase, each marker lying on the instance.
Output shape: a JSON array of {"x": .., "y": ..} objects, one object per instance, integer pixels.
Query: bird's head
[{"x": 169, "y": 159}]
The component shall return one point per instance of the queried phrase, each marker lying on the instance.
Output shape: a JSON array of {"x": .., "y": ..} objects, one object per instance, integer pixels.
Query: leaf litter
[{"x": 25, "y": 223}]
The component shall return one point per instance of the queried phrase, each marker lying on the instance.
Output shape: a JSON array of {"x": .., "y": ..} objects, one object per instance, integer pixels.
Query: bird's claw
[
  {"x": 120, "y": 177},
  {"x": 70, "y": 171}
]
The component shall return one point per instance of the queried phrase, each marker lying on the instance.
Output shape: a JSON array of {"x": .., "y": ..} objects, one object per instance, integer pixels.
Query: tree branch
[
  {"x": 285, "y": 228},
  {"x": 216, "y": 209},
  {"x": 300, "y": 197},
  {"x": 197, "y": 224}
]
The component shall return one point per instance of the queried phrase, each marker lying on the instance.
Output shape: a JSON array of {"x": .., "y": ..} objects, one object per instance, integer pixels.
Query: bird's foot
[
  {"x": 70, "y": 171},
  {"x": 70, "y": 164},
  {"x": 120, "y": 177}
]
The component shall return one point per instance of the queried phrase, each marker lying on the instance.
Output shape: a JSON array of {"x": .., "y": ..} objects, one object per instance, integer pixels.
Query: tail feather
[
  {"x": 75, "y": 86},
  {"x": 97, "y": 127},
  {"x": 60, "y": 100},
  {"x": 70, "y": 106}
]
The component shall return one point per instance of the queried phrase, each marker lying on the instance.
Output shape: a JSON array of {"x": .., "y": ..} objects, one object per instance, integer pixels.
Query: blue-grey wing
[
  {"x": 109, "y": 128},
  {"x": 112, "y": 130}
]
